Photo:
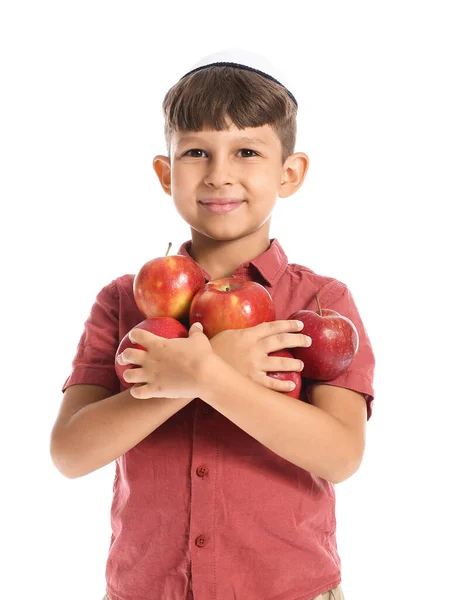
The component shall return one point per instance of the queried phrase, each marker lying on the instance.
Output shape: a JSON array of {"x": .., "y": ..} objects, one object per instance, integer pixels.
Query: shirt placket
[{"x": 202, "y": 510}]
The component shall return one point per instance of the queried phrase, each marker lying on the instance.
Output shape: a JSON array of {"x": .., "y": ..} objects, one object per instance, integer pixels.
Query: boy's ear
[
  {"x": 293, "y": 174},
  {"x": 161, "y": 165}
]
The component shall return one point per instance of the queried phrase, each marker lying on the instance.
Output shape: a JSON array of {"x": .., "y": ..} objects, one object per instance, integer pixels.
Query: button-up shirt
[{"x": 200, "y": 508}]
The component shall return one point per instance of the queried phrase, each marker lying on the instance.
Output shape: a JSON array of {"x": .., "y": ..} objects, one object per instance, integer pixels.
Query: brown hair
[{"x": 208, "y": 96}]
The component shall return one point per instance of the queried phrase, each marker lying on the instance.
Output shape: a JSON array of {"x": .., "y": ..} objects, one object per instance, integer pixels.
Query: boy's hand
[
  {"x": 247, "y": 350},
  {"x": 169, "y": 368}
]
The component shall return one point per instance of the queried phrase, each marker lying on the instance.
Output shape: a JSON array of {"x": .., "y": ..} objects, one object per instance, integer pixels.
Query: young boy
[{"x": 224, "y": 486}]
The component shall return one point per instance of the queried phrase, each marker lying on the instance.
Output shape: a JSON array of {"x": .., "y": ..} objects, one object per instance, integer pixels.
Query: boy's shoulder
[
  {"x": 125, "y": 281},
  {"x": 314, "y": 281},
  {"x": 118, "y": 286},
  {"x": 294, "y": 277}
]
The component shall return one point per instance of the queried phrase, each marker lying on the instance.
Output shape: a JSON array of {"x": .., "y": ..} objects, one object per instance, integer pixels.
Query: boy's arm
[
  {"x": 303, "y": 434},
  {"x": 104, "y": 429}
]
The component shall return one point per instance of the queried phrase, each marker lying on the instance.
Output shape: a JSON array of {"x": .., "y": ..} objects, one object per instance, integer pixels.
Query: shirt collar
[{"x": 271, "y": 264}]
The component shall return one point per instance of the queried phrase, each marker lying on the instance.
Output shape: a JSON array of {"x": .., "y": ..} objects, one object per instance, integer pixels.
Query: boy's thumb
[{"x": 195, "y": 327}]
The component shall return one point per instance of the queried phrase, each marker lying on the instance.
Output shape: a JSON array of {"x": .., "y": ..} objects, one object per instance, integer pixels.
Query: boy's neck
[{"x": 222, "y": 258}]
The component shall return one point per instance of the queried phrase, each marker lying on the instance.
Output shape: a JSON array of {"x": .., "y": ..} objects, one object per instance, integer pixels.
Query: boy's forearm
[
  {"x": 102, "y": 431},
  {"x": 299, "y": 432}
]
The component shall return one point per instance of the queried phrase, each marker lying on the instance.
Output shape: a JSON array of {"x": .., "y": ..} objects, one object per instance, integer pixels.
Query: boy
[{"x": 224, "y": 486}]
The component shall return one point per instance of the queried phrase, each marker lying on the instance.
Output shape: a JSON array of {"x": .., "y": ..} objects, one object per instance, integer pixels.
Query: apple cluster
[{"x": 172, "y": 294}]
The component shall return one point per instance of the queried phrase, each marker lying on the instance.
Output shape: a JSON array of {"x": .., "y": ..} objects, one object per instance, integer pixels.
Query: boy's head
[{"x": 208, "y": 113}]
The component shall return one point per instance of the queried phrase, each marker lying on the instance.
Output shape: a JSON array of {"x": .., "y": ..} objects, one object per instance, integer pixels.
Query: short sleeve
[
  {"x": 360, "y": 373},
  {"x": 94, "y": 362}
]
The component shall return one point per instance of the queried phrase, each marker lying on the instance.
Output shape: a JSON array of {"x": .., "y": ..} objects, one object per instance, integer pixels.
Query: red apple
[
  {"x": 231, "y": 303},
  {"x": 287, "y": 375},
  {"x": 335, "y": 342},
  {"x": 165, "y": 327},
  {"x": 165, "y": 286}
]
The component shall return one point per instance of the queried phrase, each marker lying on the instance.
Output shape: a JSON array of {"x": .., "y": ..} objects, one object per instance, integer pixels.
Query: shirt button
[
  {"x": 202, "y": 471},
  {"x": 200, "y": 541},
  {"x": 207, "y": 410}
]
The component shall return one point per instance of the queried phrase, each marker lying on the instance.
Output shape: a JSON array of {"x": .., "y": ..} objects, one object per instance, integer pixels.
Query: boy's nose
[{"x": 219, "y": 173}]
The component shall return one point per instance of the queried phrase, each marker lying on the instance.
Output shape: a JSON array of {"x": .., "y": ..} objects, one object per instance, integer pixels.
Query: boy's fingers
[
  {"x": 134, "y": 335},
  {"x": 140, "y": 391},
  {"x": 134, "y": 375},
  {"x": 279, "y": 385},
  {"x": 137, "y": 335},
  {"x": 282, "y": 326},
  {"x": 131, "y": 355},
  {"x": 285, "y": 341},
  {"x": 281, "y": 363}
]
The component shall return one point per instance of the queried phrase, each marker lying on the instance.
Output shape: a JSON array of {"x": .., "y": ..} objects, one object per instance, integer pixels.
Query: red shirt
[{"x": 200, "y": 503}]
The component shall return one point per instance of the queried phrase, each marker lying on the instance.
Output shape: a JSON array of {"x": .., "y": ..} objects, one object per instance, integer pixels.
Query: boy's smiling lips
[
  {"x": 221, "y": 201},
  {"x": 221, "y": 205}
]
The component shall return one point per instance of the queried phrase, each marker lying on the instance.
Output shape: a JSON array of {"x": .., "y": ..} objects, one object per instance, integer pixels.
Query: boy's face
[{"x": 239, "y": 164}]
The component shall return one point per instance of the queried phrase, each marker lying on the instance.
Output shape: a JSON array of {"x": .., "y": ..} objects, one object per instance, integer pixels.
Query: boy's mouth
[
  {"x": 225, "y": 200},
  {"x": 221, "y": 205}
]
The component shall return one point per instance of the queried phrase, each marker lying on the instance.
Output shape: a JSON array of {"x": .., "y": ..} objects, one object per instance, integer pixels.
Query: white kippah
[{"x": 245, "y": 59}]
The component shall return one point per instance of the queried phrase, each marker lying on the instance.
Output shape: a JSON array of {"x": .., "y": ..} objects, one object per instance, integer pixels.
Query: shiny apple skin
[
  {"x": 335, "y": 342},
  {"x": 165, "y": 327},
  {"x": 231, "y": 303},
  {"x": 165, "y": 286},
  {"x": 287, "y": 375}
]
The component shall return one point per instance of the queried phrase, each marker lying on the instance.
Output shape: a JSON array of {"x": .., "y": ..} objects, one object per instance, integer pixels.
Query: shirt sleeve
[
  {"x": 94, "y": 362},
  {"x": 360, "y": 373}
]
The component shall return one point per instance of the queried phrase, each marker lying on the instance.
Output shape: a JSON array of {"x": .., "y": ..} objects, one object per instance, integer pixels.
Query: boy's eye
[
  {"x": 189, "y": 152},
  {"x": 247, "y": 150}
]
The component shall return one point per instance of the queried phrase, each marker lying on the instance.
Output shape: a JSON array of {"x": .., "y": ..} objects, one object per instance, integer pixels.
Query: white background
[{"x": 80, "y": 122}]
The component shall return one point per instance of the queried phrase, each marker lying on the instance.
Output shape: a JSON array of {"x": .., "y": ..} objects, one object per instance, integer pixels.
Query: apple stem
[
  {"x": 168, "y": 250},
  {"x": 319, "y": 305}
]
